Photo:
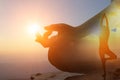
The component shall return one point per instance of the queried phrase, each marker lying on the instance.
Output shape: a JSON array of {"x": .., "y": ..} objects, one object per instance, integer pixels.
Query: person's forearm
[
  {"x": 88, "y": 27},
  {"x": 91, "y": 25}
]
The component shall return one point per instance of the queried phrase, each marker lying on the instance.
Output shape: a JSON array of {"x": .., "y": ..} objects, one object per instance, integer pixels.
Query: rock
[{"x": 53, "y": 76}]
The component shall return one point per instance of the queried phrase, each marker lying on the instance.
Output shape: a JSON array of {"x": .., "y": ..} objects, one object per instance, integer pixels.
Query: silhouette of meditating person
[
  {"x": 67, "y": 51},
  {"x": 103, "y": 44}
]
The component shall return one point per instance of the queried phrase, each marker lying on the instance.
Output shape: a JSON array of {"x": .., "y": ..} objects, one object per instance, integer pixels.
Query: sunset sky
[{"x": 17, "y": 44}]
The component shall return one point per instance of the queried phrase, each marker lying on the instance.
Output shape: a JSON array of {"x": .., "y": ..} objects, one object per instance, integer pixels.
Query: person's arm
[{"x": 91, "y": 25}]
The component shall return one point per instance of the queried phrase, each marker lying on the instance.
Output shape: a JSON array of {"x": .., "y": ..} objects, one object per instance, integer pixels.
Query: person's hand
[
  {"x": 43, "y": 40},
  {"x": 64, "y": 30}
]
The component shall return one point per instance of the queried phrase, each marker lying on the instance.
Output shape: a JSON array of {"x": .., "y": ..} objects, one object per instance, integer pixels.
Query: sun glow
[{"x": 33, "y": 29}]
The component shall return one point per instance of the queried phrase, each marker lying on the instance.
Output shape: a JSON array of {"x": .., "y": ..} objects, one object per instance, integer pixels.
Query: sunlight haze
[{"x": 20, "y": 20}]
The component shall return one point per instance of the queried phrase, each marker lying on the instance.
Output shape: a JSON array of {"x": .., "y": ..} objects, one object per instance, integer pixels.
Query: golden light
[{"x": 33, "y": 29}]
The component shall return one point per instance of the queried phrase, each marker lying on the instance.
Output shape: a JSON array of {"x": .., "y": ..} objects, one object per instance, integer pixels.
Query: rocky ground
[
  {"x": 113, "y": 73},
  {"x": 74, "y": 76}
]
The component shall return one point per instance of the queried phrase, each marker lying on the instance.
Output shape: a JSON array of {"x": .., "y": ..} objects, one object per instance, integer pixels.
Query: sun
[{"x": 35, "y": 28}]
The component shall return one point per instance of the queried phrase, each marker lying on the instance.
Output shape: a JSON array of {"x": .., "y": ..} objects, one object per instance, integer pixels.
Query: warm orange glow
[{"x": 35, "y": 28}]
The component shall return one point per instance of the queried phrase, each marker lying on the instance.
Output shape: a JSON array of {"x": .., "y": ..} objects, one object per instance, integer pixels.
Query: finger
[
  {"x": 38, "y": 37},
  {"x": 48, "y": 33},
  {"x": 53, "y": 27},
  {"x": 58, "y": 27}
]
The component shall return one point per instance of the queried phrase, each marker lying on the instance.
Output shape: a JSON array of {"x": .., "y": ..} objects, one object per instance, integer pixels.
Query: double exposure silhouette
[
  {"x": 68, "y": 49},
  {"x": 103, "y": 46}
]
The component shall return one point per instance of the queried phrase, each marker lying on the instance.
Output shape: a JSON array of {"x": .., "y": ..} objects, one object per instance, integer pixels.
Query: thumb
[{"x": 53, "y": 27}]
